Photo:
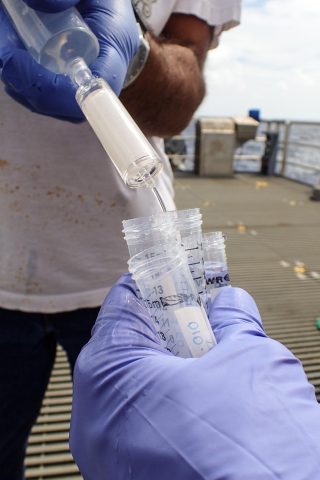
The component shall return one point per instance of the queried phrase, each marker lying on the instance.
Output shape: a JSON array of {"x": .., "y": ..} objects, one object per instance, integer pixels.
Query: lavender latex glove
[
  {"x": 245, "y": 410},
  {"x": 114, "y": 24}
]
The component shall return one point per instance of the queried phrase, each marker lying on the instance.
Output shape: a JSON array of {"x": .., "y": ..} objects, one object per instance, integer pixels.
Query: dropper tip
[{"x": 79, "y": 72}]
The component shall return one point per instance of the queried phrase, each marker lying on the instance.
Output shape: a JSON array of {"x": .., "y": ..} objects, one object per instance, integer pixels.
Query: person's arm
[{"x": 171, "y": 85}]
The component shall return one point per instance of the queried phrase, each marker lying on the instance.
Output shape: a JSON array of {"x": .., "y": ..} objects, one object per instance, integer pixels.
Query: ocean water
[{"x": 303, "y": 151}]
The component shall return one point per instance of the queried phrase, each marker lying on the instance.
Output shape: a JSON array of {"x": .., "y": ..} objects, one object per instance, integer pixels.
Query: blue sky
[
  {"x": 254, "y": 3},
  {"x": 271, "y": 61}
]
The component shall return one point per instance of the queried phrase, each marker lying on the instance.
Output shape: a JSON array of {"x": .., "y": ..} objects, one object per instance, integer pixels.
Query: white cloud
[{"x": 271, "y": 62}]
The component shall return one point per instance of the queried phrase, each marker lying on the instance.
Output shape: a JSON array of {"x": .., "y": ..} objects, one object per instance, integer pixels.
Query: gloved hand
[
  {"x": 244, "y": 411},
  {"x": 113, "y": 23}
]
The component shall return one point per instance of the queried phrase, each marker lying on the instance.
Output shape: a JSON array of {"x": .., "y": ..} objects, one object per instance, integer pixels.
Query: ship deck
[{"x": 273, "y": 249}]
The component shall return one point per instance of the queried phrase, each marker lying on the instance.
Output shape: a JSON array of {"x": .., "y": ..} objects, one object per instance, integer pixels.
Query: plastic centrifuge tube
[
  {"x": 169, "y": 294},
  {"x": 215, "y": 264},
  {"x": 144, "y": 232},
  {"x": 189, "y": 222},
  {"x": 63, "y": 43},
  {"x": 184, "y": 226}
]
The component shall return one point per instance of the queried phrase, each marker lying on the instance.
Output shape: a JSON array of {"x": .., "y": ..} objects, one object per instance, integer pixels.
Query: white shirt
[
  {"x": 62, "y": 202},
  {"x": 222, "y": 14}
]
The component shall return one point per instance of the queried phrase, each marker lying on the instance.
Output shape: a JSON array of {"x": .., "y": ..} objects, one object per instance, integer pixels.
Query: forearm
[{"x": 164, "y": 97}]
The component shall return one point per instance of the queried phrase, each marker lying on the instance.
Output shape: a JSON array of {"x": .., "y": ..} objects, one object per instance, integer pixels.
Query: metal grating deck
[
  {"x": 48, "y": 455},
  {"x": 273, "y": 247}
]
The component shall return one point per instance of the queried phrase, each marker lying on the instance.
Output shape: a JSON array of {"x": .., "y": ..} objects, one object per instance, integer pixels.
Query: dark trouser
[{"x": 27, "y": 351}]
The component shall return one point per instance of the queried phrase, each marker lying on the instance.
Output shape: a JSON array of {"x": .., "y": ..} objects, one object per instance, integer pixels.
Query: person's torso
[{"x": 62, "y": 204}]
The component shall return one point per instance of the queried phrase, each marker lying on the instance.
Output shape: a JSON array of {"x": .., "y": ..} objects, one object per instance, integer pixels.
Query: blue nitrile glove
[
  {"x": 244, "y": 411},
  {"x": 113, "y": 23}
]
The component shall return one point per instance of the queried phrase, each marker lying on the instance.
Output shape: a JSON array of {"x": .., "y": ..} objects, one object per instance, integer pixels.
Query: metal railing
[
  {"x": 298, "y": 150},
  {"x": 294, "y": 159},
  {"x": 307, "y": 146}
]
